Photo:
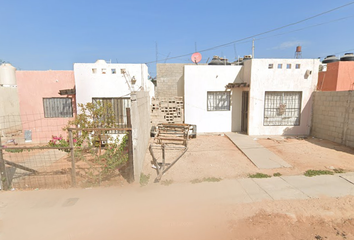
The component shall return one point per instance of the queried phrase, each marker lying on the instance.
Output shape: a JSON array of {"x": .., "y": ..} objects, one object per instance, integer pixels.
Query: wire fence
[{"x": 56, "y": 159}]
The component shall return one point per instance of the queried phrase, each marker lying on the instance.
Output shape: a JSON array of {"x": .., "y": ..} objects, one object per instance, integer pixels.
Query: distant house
[
  {"x": 111, "y": 82},
  {"x": 262, "y": 97},
  {"x": 47, "y": 102},
  {"x": 337, "y": 75}
]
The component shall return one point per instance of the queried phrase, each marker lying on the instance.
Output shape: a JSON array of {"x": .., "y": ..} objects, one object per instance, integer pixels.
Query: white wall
[
  {"x": 263, "y": 79},
  {"x": 140, "y": 117},
  {"x": 198, "y": 80},
  {"x": 89, "y": 85}
]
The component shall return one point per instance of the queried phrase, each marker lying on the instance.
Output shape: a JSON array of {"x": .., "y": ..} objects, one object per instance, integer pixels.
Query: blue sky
[{"x": 42, "y": 35}]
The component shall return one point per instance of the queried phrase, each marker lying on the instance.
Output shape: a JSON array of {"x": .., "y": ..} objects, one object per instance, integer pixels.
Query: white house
[
  {"x": 262, "y": 97},
  {"x": 111, "y": 82}
]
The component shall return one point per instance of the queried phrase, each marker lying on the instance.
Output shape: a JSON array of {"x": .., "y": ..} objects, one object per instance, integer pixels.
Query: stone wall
[{"x": 333, "y": 117}]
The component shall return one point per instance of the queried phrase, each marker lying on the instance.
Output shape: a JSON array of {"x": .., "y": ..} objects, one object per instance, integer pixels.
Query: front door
[{"x": 244, "y": 113}]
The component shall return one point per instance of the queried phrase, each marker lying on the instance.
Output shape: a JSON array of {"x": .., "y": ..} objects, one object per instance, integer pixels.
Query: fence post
[
  {"x": 3, "y": 175},
  {"x": 130, "y": 148},
  {"x": 73, "y": 171}
]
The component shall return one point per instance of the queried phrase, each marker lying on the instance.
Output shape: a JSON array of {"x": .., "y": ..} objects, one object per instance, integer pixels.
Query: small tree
[
  {"x": 98, "y": 115},
  {"x": 92, "y": 115}
]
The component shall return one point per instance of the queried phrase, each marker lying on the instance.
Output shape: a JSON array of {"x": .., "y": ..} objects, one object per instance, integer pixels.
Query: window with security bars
[
  {"x": 282, "y": 108},
  {"x": 119, "y": 107},
  {"x": 218, "y": 101},
  {"x": 57, "y": 107}
]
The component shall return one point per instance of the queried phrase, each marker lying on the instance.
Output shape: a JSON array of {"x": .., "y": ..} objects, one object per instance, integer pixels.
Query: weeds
[
  {"x": 14, "y": 150},
  {"x": 338, "y": 170},
  {"x": 194, "y": 181},
  {"x": 311, "y": 173},
  {"x": 277, "y": 174},
  {"x": 144, "y": 179},
  {"x": 166, "y": 182},
  {"x": 259, "y": 175},
  {"x": 208, "y": 179}
]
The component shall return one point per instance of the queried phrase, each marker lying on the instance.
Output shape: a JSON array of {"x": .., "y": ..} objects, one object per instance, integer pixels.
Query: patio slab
[{"x": 259, "y": 155}]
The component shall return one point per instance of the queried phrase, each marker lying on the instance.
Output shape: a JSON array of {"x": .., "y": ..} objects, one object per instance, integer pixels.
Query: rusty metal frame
[{"x": 169, "y": 136}]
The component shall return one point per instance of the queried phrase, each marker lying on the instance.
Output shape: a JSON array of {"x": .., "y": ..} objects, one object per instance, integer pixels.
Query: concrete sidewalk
[
  {"x": 259, "y": 155},
  {"x": 105, "y": 213}
]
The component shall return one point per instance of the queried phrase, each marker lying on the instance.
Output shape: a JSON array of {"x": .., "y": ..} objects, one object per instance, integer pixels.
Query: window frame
[
  {"x": 215, "y": 106},
  {"x": 122, "y": 104},
  {"x": 288, "y": 66},
  {"x": 55, "y": 112},
  {"x": 280, "y": 65},
  {"x": 277, "y": 112}
]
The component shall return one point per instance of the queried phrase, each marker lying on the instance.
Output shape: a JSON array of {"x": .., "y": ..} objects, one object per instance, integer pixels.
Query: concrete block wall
[
  {"x": 140, "y": 117},
  {"x": 333, "y": 117},
  {"x": 170, "y": 79},
  {"x": 167, "y": 110}
]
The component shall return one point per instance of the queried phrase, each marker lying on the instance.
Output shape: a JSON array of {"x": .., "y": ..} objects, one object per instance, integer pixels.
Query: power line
[{"x": 263, "y": 33}]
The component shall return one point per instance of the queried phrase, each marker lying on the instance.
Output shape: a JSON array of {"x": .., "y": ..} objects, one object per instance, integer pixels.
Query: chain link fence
[{"x": 104, "y": 158}]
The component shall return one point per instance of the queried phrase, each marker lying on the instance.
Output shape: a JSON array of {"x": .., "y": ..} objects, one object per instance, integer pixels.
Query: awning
[
  {"x": 67, "y": 92},
  {"x": 237, "y": 85}
]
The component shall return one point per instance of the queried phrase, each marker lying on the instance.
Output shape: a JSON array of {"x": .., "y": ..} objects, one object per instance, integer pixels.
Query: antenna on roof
[{"x": 196, "y": 57}]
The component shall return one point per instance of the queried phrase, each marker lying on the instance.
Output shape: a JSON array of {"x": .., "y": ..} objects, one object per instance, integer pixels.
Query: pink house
[
  {"x": 338, "y": 77},
  {"x": 47, "y": 103}
]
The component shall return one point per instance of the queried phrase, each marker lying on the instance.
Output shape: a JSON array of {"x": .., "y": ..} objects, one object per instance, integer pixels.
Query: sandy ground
[
  {"x": 207, "y": 156},
  {"x": 216, "y": 156},
  {"x": 182, "y": 210},
  {"x": 178, "y": 211},
  {"x": 324, "y": 218},
  {"x": 309, "y": 153}
]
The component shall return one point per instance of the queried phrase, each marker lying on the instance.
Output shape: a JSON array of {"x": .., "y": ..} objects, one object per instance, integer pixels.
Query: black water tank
[
  {"x": 347, "y": 57},
  {"x": 330, "y": 59},
  {"x": 225, "y": 61},
  {"x": 216, "y": 61}
]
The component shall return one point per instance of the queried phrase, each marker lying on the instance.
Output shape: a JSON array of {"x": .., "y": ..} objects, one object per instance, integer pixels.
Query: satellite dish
[{"x": 196, "y": 57}]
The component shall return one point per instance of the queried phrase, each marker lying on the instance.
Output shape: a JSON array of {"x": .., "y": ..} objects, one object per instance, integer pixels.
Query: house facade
[
  {"x": 44, "y": 111},
  {"x": 262, "y": 97},
  {"x": 111, "y": 83}
]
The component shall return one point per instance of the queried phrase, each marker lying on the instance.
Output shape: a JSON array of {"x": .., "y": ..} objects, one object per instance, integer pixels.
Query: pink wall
[
  {"x": 33, "y": 86},
  {"x": 338, "y": 77},
  {"x": 345, "y": 76}
]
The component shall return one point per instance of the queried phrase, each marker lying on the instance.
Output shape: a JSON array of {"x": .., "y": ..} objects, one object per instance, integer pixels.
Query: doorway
[{"x": 244, "y": 111}]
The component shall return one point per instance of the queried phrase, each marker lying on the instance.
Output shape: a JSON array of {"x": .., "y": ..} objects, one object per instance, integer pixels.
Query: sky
[{"x": 52, "y": 34}]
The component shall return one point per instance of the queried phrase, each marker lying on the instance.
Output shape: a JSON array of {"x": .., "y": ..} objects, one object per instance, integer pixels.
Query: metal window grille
[
  {"x": 57, "y": 107},
  {"x": 282, "y": 108},
  {"x": 119, "y": 106},
  {"x": 218, "y": 101}
]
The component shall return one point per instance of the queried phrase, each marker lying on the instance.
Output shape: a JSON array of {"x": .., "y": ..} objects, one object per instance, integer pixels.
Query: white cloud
[{"x": 289, "y": 44}]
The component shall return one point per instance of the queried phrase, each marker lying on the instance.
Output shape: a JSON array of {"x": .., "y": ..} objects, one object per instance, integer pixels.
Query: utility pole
[
  {"x": 156, "y": 53},
  {"x": 253, "y": 48}
]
